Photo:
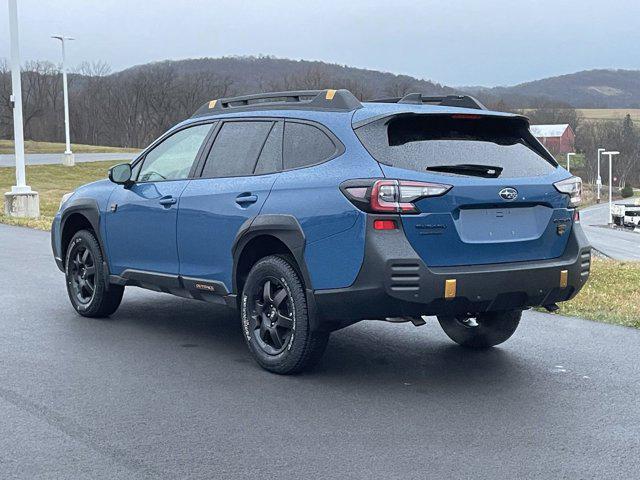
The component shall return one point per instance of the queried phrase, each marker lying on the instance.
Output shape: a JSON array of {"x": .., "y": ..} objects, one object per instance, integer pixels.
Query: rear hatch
[{"x": 502, "y": 205}]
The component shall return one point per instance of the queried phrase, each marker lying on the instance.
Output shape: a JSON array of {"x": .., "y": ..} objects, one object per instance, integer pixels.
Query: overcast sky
[{"x": 456, "y": 42}]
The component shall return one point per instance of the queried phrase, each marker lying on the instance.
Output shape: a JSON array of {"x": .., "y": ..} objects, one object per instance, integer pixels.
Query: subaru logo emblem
[{"x": 508, "y": 194}]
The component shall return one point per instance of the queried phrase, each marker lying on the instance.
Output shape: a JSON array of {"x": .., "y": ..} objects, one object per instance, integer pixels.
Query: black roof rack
[
  {"x": 333, "y": 100},
  {"x": 462, "y": 101}
]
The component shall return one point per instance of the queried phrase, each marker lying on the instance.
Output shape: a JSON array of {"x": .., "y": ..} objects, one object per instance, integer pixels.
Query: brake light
[
  {"x": 390, "y": 196},
  {"x": 466, "y": 116},
  {"x": 576, "y": 216}
]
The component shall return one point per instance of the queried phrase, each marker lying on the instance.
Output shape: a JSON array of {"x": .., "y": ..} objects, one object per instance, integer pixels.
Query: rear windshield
[{"x": 455, "y": 144}]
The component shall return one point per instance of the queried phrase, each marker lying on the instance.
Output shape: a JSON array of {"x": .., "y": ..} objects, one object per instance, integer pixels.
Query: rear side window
[
  {"x": 270, "y": 159},
  {"x": 236, "y": 148},
  {"x": 306, "y": 145},
  {"x": 455, "y": 144}
]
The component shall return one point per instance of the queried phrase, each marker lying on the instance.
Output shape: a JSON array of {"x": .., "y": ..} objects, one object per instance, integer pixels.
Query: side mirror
[{"x": 121, "y": 174}]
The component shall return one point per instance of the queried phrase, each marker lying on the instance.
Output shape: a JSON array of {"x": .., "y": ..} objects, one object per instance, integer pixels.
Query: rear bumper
[{"x": 394, "y": 281}]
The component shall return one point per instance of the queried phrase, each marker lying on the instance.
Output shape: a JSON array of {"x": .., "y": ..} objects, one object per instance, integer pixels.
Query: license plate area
[{"x": 510, "y": 224}]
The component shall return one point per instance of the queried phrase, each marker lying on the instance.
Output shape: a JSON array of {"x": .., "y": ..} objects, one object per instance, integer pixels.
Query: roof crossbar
[
  {"x": 333, "y": 100},
  {"x": 462, "y": 101}
]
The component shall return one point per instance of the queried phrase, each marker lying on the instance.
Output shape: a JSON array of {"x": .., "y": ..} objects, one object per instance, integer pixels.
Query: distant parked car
[
  {"x": 310, "y": 211},
  {"x": 626, "y": 214}
]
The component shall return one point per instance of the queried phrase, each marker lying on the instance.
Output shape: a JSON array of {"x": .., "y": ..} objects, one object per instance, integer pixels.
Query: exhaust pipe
[
  {"x": 552, "y": 307},
  {"x": 417, "y": 321}
]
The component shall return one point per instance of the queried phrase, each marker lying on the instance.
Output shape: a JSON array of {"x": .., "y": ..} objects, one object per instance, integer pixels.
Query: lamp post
[
  {"x": 21, "y": 201},
  {"x": 569, "y": 155},
  {"x": 610, "y": 154},
  {"x": 599, "y": 179},
  {"x": 68, "y": 159}
]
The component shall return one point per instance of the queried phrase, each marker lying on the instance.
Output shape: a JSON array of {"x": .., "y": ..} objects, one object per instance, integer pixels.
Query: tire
[
  {"x": 483, "y": 331},
  {"x": 86, "y": 285},
  {"x": 275, "y": 318}
]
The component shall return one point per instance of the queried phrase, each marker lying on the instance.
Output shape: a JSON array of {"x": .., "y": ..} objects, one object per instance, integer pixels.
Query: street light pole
[
  {"x": 68, "y": 159},
  {"x": 21, "y": 201},
  {"x": 569, "y": 155},
  {"x": 599, "y": 179},
  {"x": 610, "y": 154}
]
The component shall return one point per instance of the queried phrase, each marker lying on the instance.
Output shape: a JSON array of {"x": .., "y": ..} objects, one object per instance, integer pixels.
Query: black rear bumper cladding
[{"x": 394, "y": 281}]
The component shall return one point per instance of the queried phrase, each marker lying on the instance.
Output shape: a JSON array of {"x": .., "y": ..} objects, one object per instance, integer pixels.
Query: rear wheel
[
  {"x": 483, "y": 331},
  {"x": 275, "y": 318},
  {"x": 84, "y": 271}
]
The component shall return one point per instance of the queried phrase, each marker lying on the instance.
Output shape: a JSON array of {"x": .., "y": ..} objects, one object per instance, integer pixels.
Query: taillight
[
  {"x": 390, "y": 196},
  {"x": 576, "y": 215},
  {"x": 571, "y": 186}
]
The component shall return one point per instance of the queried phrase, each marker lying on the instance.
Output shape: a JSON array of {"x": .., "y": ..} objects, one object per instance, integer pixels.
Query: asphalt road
[
  {"x": 8, "y": 160},
  {"x": 614, "y": 243},
  {"x": 166, "y": 389}
]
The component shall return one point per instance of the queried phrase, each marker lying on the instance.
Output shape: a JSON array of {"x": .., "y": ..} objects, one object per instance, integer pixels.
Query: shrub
[{"x": 627, "y": 191}]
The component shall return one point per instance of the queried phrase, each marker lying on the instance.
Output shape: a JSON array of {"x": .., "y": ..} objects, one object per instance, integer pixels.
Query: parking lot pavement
[
  {"x": 614, "y": 243},
  {"x": 8, "y": 160},
  {"x": 167, "y": 389}
]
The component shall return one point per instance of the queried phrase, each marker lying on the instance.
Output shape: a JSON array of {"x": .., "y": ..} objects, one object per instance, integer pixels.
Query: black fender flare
[
  {"x": 89, "y": 209},
  {"x": 287, "y": 229},
  {"x": 283, "y": 227}
]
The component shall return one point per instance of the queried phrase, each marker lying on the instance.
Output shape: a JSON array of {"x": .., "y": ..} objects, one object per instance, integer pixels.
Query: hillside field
[{"x": 597, "y": 114}]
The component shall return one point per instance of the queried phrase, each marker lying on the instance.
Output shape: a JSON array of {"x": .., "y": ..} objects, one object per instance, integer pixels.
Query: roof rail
[
  {"x": 462, "y": 101},
  {"x": 333, "y": 100}
]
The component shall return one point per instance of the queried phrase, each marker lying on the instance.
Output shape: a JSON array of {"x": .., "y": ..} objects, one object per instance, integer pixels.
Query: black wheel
[
  {"x": 86, "y": 284},
  {"x": 275, "y": 319},
  {"x": 483, "y": 331}
]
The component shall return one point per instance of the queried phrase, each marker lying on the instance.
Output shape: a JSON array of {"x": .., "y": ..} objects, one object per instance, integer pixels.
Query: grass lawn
[
  {"x": 51, "y": 182},
  {"x": 30, "y": 146},
  {"x": 611, "y": 295}
]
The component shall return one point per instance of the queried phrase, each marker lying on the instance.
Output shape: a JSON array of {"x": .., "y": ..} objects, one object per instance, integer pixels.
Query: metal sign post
[
  {"x": 569, "y": 155},
  {"x": 599, "y": 179},
  {"x": 611, "y": 154}
]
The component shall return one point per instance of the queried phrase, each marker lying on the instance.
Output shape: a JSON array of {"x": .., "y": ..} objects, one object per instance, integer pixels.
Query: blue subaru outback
[{"x": 309, "y": 211}]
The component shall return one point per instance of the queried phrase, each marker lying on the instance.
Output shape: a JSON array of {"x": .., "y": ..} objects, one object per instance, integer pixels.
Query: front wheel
[
  {"x": 275, "y": 318},
  {"x": 483, "y": 331},
  {"x": 84, "y": 270}
]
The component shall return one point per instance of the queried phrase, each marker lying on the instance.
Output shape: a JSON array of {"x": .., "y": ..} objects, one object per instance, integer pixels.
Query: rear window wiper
[{"x": 486, "y": 171}]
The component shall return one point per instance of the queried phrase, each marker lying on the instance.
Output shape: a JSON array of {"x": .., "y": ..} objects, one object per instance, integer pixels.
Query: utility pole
[
  {"x": 610, "y": 154},
  {"x": 599, "y": 179},
  {"x": 21, "y": 201},
  {"x": 68, "y": 158}
]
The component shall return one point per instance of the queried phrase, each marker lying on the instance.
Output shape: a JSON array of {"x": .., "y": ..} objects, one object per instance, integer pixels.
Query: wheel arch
[
  {"x": 81, "y": 214},
  {"x": 268, "y": 235}
]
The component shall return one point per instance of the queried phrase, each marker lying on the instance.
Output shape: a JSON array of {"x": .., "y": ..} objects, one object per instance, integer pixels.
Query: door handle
[
  {"x": 168, "y": 201},
  {"x": 246, "y": 199}
]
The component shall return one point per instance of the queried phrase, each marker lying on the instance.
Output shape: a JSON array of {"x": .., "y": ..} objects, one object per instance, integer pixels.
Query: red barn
[{"x": 557, "y": 138}]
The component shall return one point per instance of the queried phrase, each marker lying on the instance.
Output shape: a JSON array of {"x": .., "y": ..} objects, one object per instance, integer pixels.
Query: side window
[
  {"x": 236, "y": 149},
  {"x": 172, "y": 159},
  {"x": 305, "y": 145},
  {"x": 270, "y": 159}
]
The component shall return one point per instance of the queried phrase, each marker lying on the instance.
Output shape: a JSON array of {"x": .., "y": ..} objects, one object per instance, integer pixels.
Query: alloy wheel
[
  {"x": 272, "y": 317},
  {"x": 82, "y": 272}
]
